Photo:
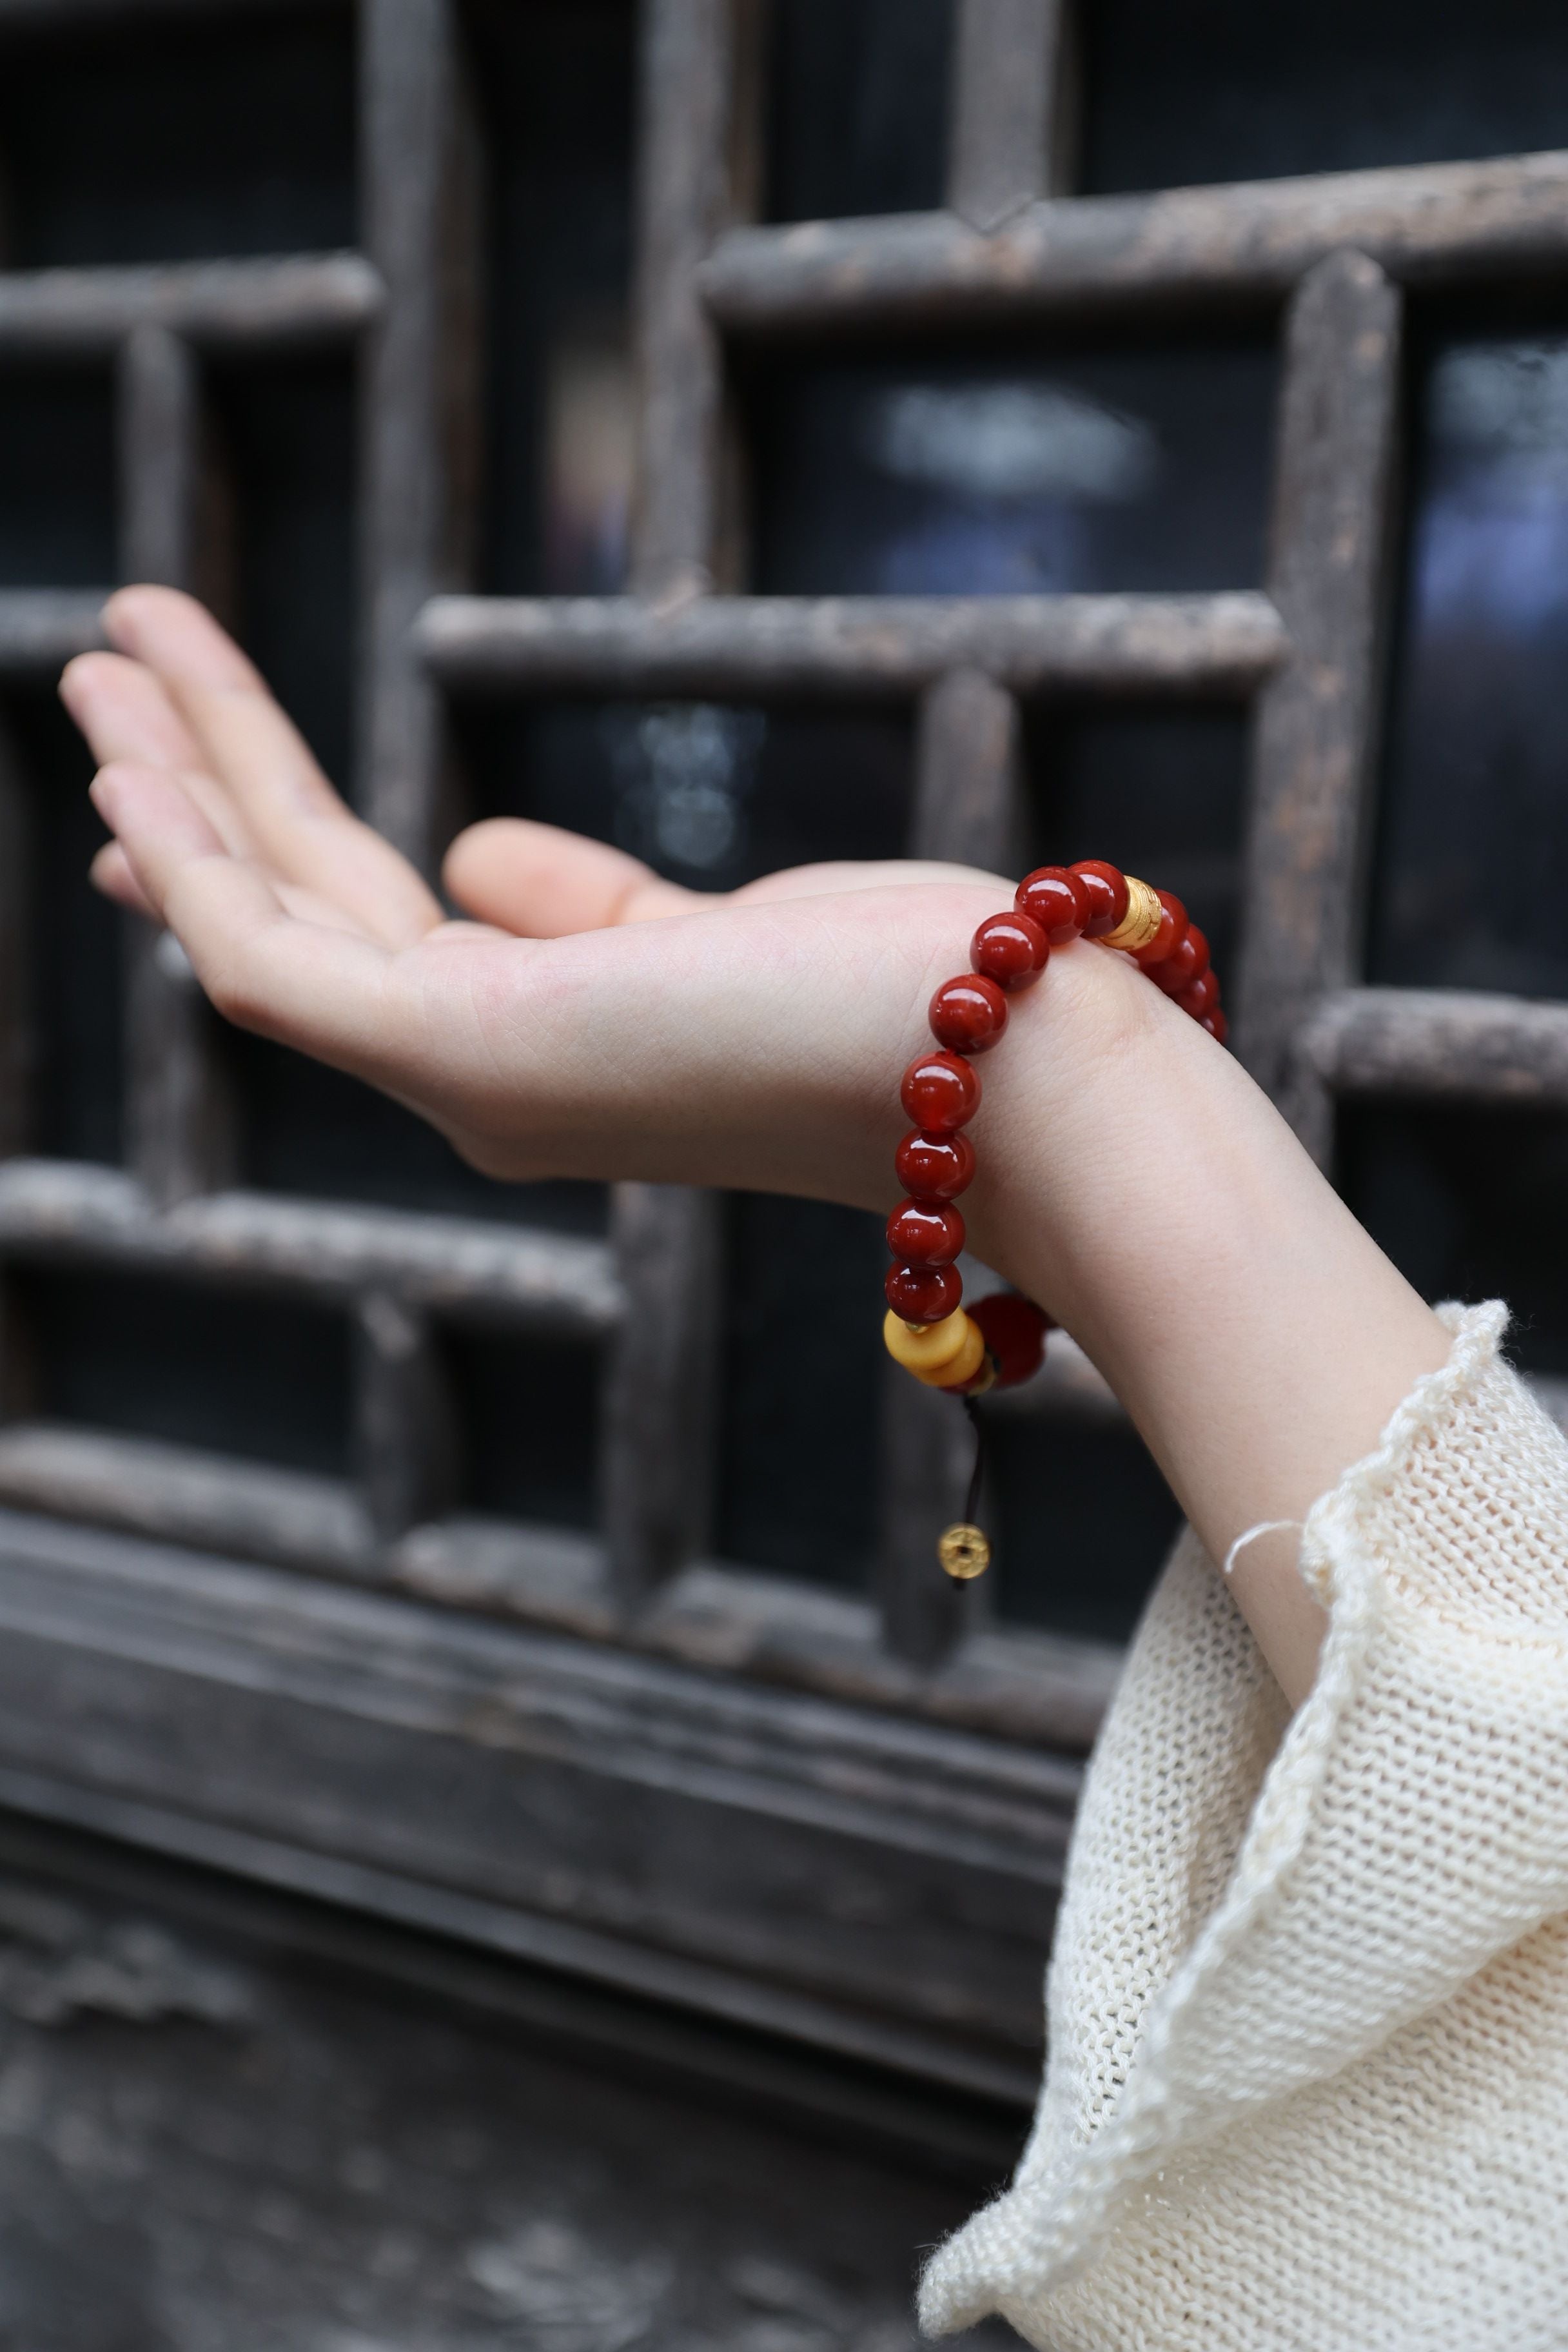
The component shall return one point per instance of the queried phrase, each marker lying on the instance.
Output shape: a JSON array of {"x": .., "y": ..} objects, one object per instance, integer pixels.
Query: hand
[{"x": 593, "y": 1020}]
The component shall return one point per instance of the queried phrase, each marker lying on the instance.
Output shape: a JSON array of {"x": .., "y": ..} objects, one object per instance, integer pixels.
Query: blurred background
[{"x": 410, "y": 1935}]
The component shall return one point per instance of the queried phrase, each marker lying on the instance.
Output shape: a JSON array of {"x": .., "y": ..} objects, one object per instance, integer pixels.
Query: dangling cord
[
  {"x": 972, "y": 1500},
  {"x": 964, "y": 1548}
]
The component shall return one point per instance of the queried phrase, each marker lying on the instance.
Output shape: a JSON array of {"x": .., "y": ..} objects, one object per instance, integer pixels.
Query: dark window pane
[
  {"x": 1160, "y": 792},
  {"x": 709, "y": 794},
  {"x": 527, "y": 1413},
  {"x": 56, "y": 478},
  {"x": 263, "y": 1378},
  {"x": 802, "y": 1389},
  {"x": 1028, "y": 472},
  {"x": 156, "y": 142},
  {"x": 1082, "y": 1521},
  {"x": 556, "y": 84},
  {"x": 1469, "y": 1205},
  {"x": 1478, "y": 741},
  {"x": 857, "y": 107},
  {"x": 308, "y": 1130},
  {"x": 73, "y": 959},
  {"x": 713, "y": 795},
  {"x": 285, "y": 439},
  {"x": 1225, "y": 89}
]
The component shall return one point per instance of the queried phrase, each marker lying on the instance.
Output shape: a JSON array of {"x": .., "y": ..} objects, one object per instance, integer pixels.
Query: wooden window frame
[{"x": 906, "y": 1755}]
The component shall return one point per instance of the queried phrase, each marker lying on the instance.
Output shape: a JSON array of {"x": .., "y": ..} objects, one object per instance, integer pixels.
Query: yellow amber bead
[
  {"x": 969, "y": 1360},
  {"x": 1141, "y": 924},
  {"x": 926, "y": 1346}
]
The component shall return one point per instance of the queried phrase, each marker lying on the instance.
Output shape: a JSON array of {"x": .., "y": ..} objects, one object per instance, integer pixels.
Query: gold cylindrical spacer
[
  {"x": 1141, "y": 924},
  {"x": 963, "y": 1551}
]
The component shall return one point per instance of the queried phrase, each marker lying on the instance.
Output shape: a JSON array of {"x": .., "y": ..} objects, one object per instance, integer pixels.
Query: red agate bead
[
  {"x": 1201, "y": 997},
  {"x": 923, "y": 1294},
  {"x": 1011, "y": 950},
  {"x": 1014, "y": 1330},
  {"x": 969, "y": 1013},
  {"x": 936, "y": 1167},
  {"x": 1215, "y": 1021},
  {"x": 926, "y": 1233},
  {"x": 940, "y": 1092},
  {"x": 1054, "y": 899},
  {"x": 1188, "y": 961},
  {"x": 1173, "y": 928},
  {"x": 1107, "y": 887}
]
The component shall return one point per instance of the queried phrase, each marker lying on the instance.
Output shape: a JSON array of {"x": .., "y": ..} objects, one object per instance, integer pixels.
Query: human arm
[{"x": 596, "y": 1022}]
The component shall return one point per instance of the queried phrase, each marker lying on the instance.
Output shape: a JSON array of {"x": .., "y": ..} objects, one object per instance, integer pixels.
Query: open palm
[{"x": 591, "y": 1019}]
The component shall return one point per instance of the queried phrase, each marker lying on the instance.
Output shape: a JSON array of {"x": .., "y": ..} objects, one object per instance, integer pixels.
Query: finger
[
  {"x": 176, "y": 635},
  {"x": 206, "y": 674},
  {"x": 112, "y": 869},
  {"x": 542, "y": 882},
  {"x": 110, "y": 873},
  {"x": 313, "y": 985},
  {"x": 125, "y": 712},
  {"x": 155, "y": 822},
  {"x": 288, "y": 810}
]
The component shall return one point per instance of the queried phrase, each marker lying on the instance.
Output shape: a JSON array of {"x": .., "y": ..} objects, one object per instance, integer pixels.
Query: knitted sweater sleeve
[{"x": 1308, "y": 2005}]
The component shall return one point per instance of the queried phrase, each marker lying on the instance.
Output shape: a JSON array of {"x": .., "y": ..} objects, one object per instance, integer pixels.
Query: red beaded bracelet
[{"x": 1002, "y": 1339}]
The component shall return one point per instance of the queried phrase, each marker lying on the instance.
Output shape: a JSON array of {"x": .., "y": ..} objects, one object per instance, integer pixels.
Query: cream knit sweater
[{"x": 1308, "y": 2005}]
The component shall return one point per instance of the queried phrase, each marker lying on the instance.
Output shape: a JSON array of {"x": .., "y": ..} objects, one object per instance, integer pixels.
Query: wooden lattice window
[{"x": 446, "y": 1552}]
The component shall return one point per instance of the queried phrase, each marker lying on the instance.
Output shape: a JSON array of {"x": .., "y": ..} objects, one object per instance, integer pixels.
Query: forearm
[{"x": 1148, "y": 1195}]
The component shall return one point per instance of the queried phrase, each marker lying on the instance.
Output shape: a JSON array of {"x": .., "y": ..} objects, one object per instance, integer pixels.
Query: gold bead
[
  {"x": 963, "y": 1551},
  {"x": 1141, "y": 924},
  {"x": 925, "y": 1347}
]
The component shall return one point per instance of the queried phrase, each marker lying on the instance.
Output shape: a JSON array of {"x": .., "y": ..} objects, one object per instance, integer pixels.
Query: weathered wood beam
[
  {"x": 1044, "y": 1691},
  {"x": 660, "y": 1400},
  {"x": 181, "y": 1495},
  {"x": 297, "y": 301},
  {"x": 405, "y": 1445},
  {"x": 1437, "y": 1045},
  {"x": 180, "y": 1123},
  {"x": 1317, "y": 722},
  {"x": 661, "y": 1374},
  {"x": 1243, "y": 242},
  {"x": 42, "y": 628},
  {"x": 970, "y": 801},
  {"x": 18, "y": 1037},
  {"x": 684, "y": 198},
  {"x": 923, "y": 1468},
  {"x": 1220, "y": 645},
  {"x": 65, "y": 1211},
  {"x": 1011, "y": 121},
  {"x": 418, "y": 423},
  {"x": 159, "y": 434},
  {"x": 181, "y": 1135},
  {"x": 817, "y": 1871}
]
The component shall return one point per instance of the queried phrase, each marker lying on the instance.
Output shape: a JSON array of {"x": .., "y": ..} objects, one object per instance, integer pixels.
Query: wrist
[{"x": 1062, "y": 1134}]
